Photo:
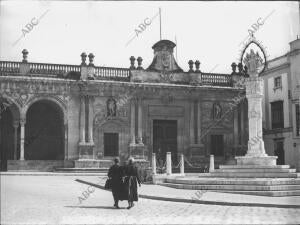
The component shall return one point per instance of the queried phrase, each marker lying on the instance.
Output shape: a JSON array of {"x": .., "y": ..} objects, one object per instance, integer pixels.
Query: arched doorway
[
  {"x": 9, "y": 132},
  {"x": 44, "y": 131}
]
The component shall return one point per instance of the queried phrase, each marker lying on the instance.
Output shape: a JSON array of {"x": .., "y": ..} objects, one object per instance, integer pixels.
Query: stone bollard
[
  {"x": 169, "y": 163},
  {"x": 182, "y": 165},
  {"x": 154, "y": 163},
  {"x": 211, "y": 163}
]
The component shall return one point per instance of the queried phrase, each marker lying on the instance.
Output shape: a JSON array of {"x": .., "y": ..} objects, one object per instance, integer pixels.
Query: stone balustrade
[{"x": 112, "y": 73}]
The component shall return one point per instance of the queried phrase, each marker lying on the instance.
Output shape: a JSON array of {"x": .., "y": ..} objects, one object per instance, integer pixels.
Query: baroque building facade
[{"x": 55, "y": 115}]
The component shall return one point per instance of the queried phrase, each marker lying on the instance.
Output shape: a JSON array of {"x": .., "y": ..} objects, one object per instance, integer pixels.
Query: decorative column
[
  {"x": 199, "y": 123},
  {"x": 15, "y": 125},
  {"x": 132, "y": 122},
  {"x": 192, "y": 133},
  {"x": 82, "y": 120},
  {"x": 242, "y": 124},
  {"x": 235, "y": 130},
  {"x": 91, "y": 116},
  {"x": 196, "y": 147},
  {"x": 140, "y": 122},
  {"x": 22, "y": 142}
]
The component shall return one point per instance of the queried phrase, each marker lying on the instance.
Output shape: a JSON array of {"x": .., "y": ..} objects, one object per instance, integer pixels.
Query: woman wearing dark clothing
[
  {"x": 116, "y": 173},
  {"x": 131, "y": 181}
]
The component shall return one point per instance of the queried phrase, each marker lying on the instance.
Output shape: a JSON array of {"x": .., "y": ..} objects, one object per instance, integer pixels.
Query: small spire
[
  {"x": 240, "y": 67},
  {"x": 132, "y": 62},
  {"x": 139, "y": 60},
  {"x": 197, "y": 64},
  {"x": 191, "y": 65},
  {"x": 91, "y": 59},
  {"x": 233, "y": 67},
  {"x": 83, "y": 58},
  {"x": 25, "y": 54}
]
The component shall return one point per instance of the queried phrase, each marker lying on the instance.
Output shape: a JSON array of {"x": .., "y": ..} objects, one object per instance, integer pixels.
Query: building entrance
[{"x": 165, "y": 139}]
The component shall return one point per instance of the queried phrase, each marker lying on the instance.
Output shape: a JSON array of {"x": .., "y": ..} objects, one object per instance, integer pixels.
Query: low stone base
[
  {"x": 88, "y": 163},
  {"x": 251, "y": 160},
  {"x": 138, "y": 151},
  {"x": 196, "y": 153},
  {"x": 38, "y": 165},
  {"x": 86, "y": 151}
]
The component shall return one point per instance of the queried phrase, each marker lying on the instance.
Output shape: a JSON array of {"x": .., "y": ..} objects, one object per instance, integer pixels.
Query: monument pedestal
[{"x": 258, "y": 160}]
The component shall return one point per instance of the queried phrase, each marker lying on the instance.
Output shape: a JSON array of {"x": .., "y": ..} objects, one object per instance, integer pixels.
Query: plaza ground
[{"x": 60, "y": 200}]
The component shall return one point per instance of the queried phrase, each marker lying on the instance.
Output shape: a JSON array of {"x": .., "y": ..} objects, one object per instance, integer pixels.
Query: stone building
[
  {"x": 281, "y": 106},
  {"x": 56, "y": 115}
]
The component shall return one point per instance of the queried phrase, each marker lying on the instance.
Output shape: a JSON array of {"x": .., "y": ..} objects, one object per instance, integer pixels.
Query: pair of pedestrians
[{"x": 124, "y": 181}]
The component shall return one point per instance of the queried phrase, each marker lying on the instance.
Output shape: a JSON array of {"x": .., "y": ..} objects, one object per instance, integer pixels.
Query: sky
[{"x": 211, "y": 32}]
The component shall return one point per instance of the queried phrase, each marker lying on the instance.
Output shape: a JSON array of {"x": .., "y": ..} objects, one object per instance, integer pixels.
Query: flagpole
[{"x": 160, "y": 23}]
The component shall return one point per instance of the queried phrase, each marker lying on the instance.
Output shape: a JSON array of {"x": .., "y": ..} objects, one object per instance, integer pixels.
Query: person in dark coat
[
  {"x": 131, "y": 181},
  {"x": 116, "y": 173}
]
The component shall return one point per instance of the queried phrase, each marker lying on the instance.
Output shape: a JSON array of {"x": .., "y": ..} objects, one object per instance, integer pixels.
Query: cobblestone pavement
[{"x": 60, "y": 200}]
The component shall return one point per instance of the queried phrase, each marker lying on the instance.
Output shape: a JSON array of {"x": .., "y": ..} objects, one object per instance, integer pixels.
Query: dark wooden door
[
  {"x": 279, "y": 152},
  {"x": 111, "y": 144},
  {"x": 165, "y": 138},
  {"x": 217, "y": 145}
]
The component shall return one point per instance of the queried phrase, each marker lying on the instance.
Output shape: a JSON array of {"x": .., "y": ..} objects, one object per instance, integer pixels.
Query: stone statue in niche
[
  {"x": 253, "y": 61},
  {"x": 217, "y": 111},
  {"x": 111, "y": 107}
]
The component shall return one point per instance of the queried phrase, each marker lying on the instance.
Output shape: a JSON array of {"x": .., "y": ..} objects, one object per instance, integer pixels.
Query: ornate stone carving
[
  {"x": 216, "y": 111},
  {"x": 111, "y": 107},
  {"x": 166, "y": 76}
]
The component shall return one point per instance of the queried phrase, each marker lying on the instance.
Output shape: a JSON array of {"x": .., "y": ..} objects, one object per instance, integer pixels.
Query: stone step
[
  {"x": 252, "y": 166},
  {"x": 233, "y": 187},
  {"x": 82, "y": 170},
  {"x": 267, "y": 193},
  {"x": 253, "y": 174},
  {"x": 256, "y": 170},
  {"x": 233, "y": 181}
]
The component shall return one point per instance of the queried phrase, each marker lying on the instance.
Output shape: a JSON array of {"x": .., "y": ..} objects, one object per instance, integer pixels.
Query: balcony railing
[
  {"x": 52, "y": 69},
  {"x": 216, "y": 79},
  {"x": 9, "y": 67},
  {"x": 109, "y": 73}
]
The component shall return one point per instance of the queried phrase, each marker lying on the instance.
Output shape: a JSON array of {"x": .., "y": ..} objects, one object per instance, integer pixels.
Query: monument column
[{"x": 256, "y": 154}]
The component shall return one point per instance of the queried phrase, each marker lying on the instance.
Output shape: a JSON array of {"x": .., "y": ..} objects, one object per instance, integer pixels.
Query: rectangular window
[
  {"x": 111, "y": 144},
  {"x": 277, "y": 114},
  {"x": 277, "y": 82},
  {"x": 297, "y": 119}
]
